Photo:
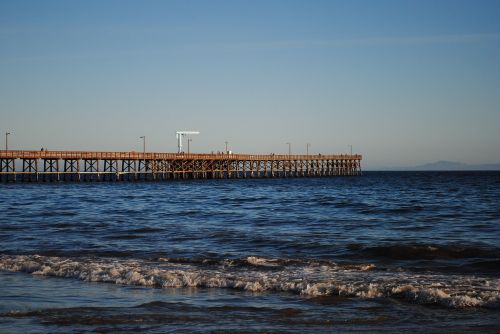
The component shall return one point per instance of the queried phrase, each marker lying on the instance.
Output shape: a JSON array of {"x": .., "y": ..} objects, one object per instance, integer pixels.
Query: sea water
[{"x": 384, "y": 252}]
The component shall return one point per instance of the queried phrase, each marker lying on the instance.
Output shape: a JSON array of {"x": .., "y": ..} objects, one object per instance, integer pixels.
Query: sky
[{"x": 404, "y": 82}]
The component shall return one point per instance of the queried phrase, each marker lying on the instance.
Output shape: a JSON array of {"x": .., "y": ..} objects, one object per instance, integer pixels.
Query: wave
[
  {"x": 392, "y": 210},
  {"x": 182, "y": 317},
  {"x": 426, "y": 252},
  {"x": 123, "y": 237},
  {"x": 145, "y": 229},
  {"x": 258, "y": 274}
]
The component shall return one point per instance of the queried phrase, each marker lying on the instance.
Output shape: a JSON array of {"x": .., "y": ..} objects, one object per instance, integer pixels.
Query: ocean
[{"x": 383, "y": 252}]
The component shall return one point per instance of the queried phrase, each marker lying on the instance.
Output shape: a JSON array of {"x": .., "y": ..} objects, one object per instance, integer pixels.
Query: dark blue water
[{"x": 382, "y": 252}]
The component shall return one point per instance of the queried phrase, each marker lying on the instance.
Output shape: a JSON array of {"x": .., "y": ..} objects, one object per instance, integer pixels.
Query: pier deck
[{"x": 34, "y": 166}]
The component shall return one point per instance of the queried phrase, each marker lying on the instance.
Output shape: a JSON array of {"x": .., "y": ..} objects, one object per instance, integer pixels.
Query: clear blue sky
[{"x": 404, "y": 82}]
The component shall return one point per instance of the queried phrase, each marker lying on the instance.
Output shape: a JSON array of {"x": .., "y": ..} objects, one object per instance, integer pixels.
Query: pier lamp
[
  {"x": 289, "y": 148},
  {"x": 226, "y": 142},
  {"x": 189, "y": 141},
  {"x": 7, "y": 140},
  {"x": 143, "y": 150},
  {"x": 351, "y": 148},
  {"x": 307, "y": 148}
]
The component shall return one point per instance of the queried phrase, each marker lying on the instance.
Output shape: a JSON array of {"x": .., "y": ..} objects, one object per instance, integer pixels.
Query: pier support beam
[
  {"x": 91, "y": 170},
  {"x": 50, "y": 169},
  {"x": 110, "y": 172},
  {"x": 128, "y": 170},
  {"x": 71, "y": 170},
  {"x": 30, "y": 170},
  {"x": 8, "y": 169}
]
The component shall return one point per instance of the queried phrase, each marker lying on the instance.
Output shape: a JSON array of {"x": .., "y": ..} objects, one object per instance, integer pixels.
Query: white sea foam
[
  {"x": 260, "y": 261},
  {"x": 308, "y": 279}
]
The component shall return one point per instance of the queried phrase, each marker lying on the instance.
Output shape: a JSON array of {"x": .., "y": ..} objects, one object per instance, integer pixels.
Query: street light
[
  {"x": 143, "y": 151},
  {"x": 307, "y": 148},
  {"x": 189, "y": 140},
  {"x": 226, "y": 142},
  {"x": 351, "y": 148},
  {"x": 289, "y": 148},
  {"x": 7, "y": 140}
]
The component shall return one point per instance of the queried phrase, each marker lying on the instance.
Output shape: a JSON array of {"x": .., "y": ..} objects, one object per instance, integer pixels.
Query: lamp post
[
  {"x": 307, "y": 148},
  {"x": 226, "y": 142},
  {"x": 351, "y": 148},
  {"x": 143, "y": 151},
  {"x": 189, "y": 140},
  {"x": 289, "y": 148},
  {"x": 7, "y": 140}
]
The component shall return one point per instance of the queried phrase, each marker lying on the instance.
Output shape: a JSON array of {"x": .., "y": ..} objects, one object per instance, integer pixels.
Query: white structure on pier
[{"x": 181, "y": 134}]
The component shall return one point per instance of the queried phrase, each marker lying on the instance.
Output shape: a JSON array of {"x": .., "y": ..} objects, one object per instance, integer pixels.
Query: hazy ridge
[{"x": 444, "y": 165}]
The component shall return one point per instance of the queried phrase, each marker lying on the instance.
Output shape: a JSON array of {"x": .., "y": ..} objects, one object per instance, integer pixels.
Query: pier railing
[{"x": 32, "y": 154}]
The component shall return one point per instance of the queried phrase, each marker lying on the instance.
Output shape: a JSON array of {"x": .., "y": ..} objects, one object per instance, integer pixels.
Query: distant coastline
[{"x": 444, "y": 165}]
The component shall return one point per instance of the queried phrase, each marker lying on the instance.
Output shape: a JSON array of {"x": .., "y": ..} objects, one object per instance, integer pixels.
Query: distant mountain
[{"x": 452, "y": 165}]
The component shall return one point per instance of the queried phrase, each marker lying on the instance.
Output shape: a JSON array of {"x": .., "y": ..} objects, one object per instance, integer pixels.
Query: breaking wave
[{"x": 258, "y": 274}]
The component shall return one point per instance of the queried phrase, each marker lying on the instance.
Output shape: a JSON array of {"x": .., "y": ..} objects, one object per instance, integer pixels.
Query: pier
[{"x": 76, "y": 166}]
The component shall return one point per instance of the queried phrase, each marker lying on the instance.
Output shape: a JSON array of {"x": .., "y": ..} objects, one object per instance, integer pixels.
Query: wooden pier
[{"x": 53, "y": 166}]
